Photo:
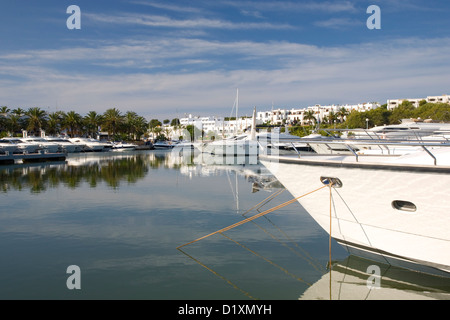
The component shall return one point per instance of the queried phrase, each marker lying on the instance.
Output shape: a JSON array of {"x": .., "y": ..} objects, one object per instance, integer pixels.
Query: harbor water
[{"x": 121, "y": 217}]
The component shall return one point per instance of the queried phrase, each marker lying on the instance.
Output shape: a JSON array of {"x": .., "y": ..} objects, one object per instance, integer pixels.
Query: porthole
[
  {"x": 404, "y": 205},
  {"x": 335, "y": 182}
]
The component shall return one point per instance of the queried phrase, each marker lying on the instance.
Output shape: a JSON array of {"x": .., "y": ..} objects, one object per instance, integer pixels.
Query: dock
[{"x": 8, "y": 159}]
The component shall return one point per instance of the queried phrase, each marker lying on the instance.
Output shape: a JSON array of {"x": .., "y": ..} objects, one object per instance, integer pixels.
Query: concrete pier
[{"x": 8, "y": 159}]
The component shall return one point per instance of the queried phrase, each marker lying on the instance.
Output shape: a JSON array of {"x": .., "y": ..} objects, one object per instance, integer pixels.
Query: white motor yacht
[
  {"x": 91, "y": 145},
  {"x": 164, "y": 145},
  {"x": 6, "y": 147},
  {"x": 122, "y": 146},
  {"x": 45, "y": 145},
  {"x": 392, "y": 207},
  {"x": 23, "y": 146},
  {"x": 66, "y": 145}
]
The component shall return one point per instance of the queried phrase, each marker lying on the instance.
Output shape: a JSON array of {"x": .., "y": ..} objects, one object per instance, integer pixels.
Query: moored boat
[
  {"x": 66, "y": 145},
  {"x": 22, "y": 146},
  {"x": 92, "y": 145},
  {"x": 392, "y": 207},
  {"x": 122, "y": 146}
]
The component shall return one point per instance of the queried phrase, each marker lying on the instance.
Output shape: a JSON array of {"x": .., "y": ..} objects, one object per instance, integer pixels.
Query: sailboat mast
[{"x": 237, "y": 107}]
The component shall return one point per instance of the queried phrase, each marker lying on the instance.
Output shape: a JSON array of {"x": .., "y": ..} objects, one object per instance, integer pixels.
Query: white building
[
  {"x": 284, "y": 116},
  {"x": 218, "y": 125},
  {"x": 393, "y": 103}
]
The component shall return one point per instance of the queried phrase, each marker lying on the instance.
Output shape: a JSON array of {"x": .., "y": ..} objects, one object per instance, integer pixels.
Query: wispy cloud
[
  {"x": 166, "y": 22},
  {"x": 170, "y": 7},
  {"x": 296, "y": 6},
  {"x": 339, "y": 23},
  {"x": 293, "y": 74}
]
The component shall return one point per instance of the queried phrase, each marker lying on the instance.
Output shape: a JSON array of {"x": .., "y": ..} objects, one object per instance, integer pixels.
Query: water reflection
[
  {"x": 112, "y": 169},
  {"x": 356, "y": 278}
]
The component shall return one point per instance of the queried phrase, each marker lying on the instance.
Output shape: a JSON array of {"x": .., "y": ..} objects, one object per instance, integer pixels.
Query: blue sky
[{"x": 165, "y": 59}]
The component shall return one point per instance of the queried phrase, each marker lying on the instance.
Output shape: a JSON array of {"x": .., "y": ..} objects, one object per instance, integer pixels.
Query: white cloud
[
  {"x": 299, "y": 75},
  {"x": 166, "y": 22},
  {"x": 339, "y": 23}
]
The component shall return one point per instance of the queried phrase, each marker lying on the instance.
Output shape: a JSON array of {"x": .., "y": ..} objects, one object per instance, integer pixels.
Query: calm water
[{"x": 120, "y": 217}]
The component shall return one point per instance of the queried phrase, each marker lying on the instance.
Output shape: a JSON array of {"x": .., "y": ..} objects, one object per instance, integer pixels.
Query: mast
[
  {"x": 237, "y": 107},
  {"x": 253, "y": 130}
]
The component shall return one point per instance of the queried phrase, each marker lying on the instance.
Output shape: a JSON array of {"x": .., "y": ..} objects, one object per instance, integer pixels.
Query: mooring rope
[{"x": 252, "y": 217}]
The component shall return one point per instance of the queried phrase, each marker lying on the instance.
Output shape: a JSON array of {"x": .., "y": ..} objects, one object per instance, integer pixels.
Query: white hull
[
  {"x": 231, "y": 148},
  {"x": 363, "y": 209}
]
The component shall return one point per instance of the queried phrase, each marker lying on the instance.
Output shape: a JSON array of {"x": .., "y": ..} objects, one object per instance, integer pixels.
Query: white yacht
[
  {"x": 6, "y": 147},
  {"x": 23, "y": 146},
  {"x": 91, "y": 145},
  {"x": 122, "y": 146},
  {"x": 163, "y": 145},
  {"x": 393, "y": 207},
  {"x": 45, "y": 145},
  {"x": 66, "y": 145}
]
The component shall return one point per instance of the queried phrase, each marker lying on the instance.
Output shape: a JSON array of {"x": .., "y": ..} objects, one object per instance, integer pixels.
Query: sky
[{"x": 166, "y": 59}]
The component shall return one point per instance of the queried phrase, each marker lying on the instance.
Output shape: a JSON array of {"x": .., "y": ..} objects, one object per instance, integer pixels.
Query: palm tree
[
  {"x": 72, "y": 122},
  {"x": 130, "y": 123},
  {"x": 331, "y": 117},
  {"x": 309, "y": 116},
  {"x": 13, "y": 123},
  {"x": 342, "y": 113},
  {"x": 54, "y": 122},
  {"x": 18, "y": 112},
  {"x": 36, "y": 119},
  {"x": 112, "y": 119},
  {"x": 141, "y": 126},
  {"x": 4, "y": 110},
  {"x": 92, "y": 122}
]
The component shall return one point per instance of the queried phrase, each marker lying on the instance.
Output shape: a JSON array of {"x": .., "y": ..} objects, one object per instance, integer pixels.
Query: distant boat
[
  {"x": 163, "y": 145},
  {"x": 249, "y": 144},
  {"x": 22, "y": 146},
  {"x": 390, "y": 206},
  {"x": 92, "y": 145},
  {"x": 48, "y": 146},
  {"x": 122, "y": 146},
  {"x": 66, "y": 145}
]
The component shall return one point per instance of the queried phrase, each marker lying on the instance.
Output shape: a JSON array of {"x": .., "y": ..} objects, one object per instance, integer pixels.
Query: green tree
[
  {"x": 72, "y": 121},
  {"x": 356, "y": 119},
  {"x": 112, "y": 119},
  {"x": 54, "y": 122},
  {"x": 140, "y": 126},
  {"x": 404, "y": 111},
  {"x": 309, "y": 116},
  {"x": 4, "y": 110},
  {"x": 36, "y": 118},
  {"x": 342, "y": 113},
  {"x": 92, "y": 121},
  {"x": 175, "y": 122}
]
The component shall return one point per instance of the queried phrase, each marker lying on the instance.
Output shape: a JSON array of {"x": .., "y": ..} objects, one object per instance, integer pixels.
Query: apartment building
[
  {"x": 285, "y": 116},
  {"x": 393, "y": 103}
]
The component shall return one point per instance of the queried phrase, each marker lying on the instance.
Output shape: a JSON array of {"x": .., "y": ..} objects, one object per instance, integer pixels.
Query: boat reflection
[
  {"x": 356, "y": 278},
  {"x": 116, "y": 168}
]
